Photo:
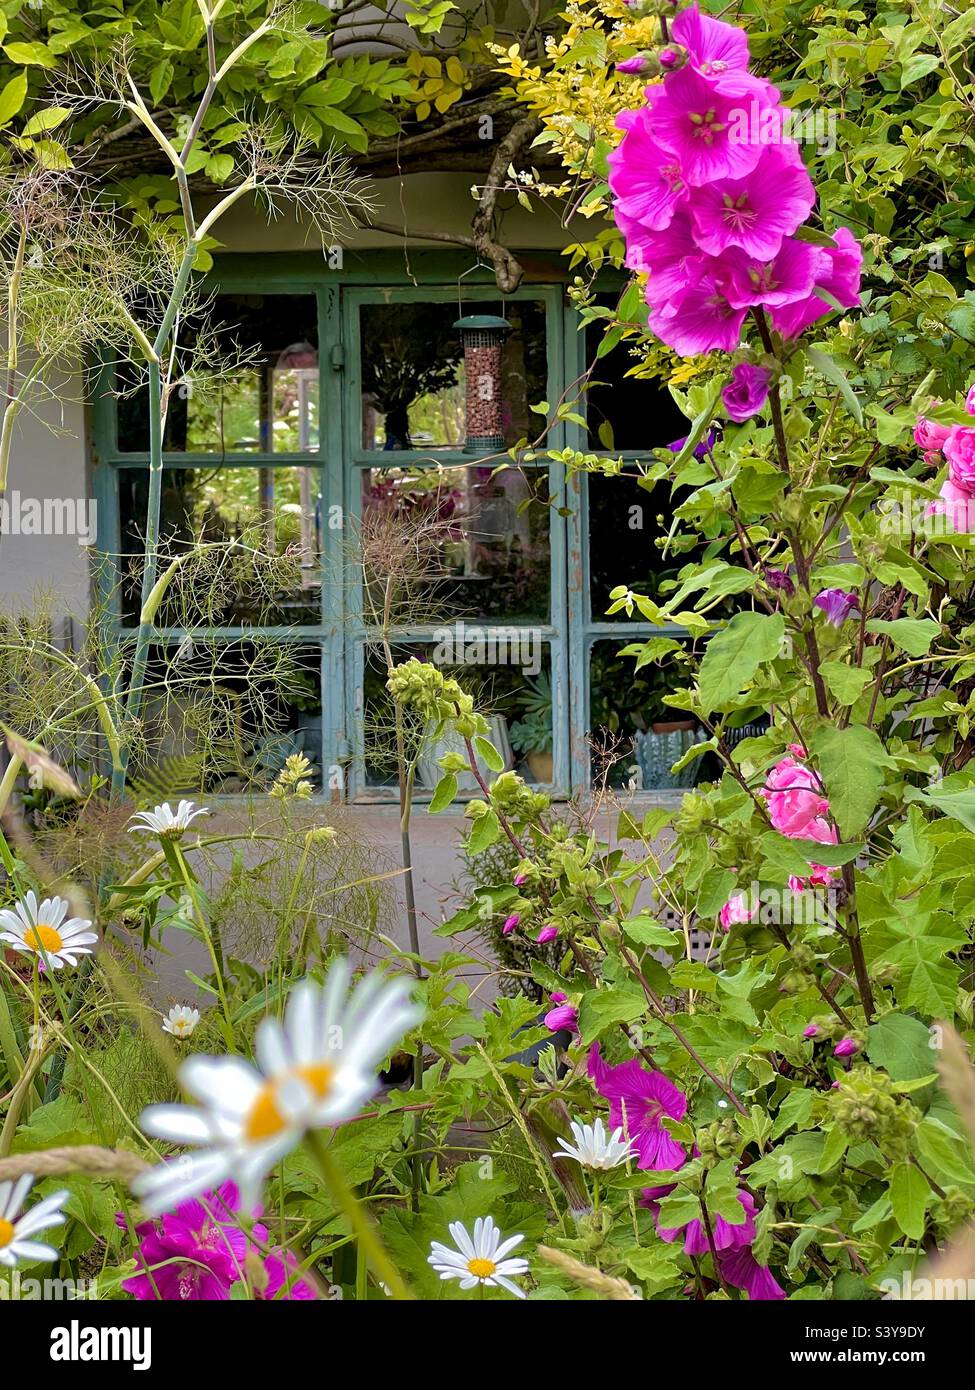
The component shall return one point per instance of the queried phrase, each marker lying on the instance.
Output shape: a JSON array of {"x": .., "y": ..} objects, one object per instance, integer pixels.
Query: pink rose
[
  {"x": 959, "y": 450},
  {"x": 928, "y": 435}
]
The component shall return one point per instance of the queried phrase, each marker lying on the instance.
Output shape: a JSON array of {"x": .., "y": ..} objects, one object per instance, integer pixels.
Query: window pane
[
  {"x": 638, "y": 414},
  {"x": 464, "y": 542},
  {"x": 224, "y": 716},
  {"x": 634, "y": 737},
  {"x": 413, "y": 382},
  {"x": 248, "y": 382},
  {"x": 511, "y": 685},
  {"x": 627, "y": 528},
  {"x": 272, "y": 578}
]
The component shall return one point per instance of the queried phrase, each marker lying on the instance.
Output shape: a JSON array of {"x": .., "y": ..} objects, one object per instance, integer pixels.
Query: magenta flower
[
  {"x": 280, "y": 1267},
  {"x": 811, "y": 1031},
  {"x": 636, "y": 64},
  {"x": 795, "y": 799},
  {"x": 956, "y": 504},
  {"x": 929, "y": 435},
  {"x": 740, "y": 1269},
  {"x": 713, "y": 48},
  {"x": 846, "y": 1048},
  {"x": 756, "y": 212},
  {"x": 788, "y": 276},
  {"x": 701, "y": 319},
  {"x": 519, "y": 879},
  {"x": 562, "y": 1016},
  {"x": 638, "y": 1101},
  {"x": 548, "y": 933},
  {"x": 668, "y": 57},
  {"x": 698, "y": 121},
  {"x": 557, "y": 997},
  {"x": 838, "y": 273},
  {"x": 648, "y": 185},
  {"x": 745, "y": 394},
  {"x": 510, "y": 923},
  {"x": 700, "y": 450},
  {"x": 959, "y": 449},
  {"x": 837, "y": 604},
  {"x": 734, "y": 911},
  {"x": 726, "y": 1236},
  {"x": 970, "y": 400}
]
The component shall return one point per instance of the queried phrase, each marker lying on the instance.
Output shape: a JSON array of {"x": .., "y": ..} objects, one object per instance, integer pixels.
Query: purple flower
[
  {"x": 558, "y": 998},
  {"x": 740, "y": 1269},
  {"x": 562, "y": 1016},
  {"x": 548, "y": 933},
  {"x": 846, "y": 1048},
  {"x": 636, "y": 64},
  {"x": 837, "y": 604},
  {"x": 701, "y": 450},
  {"x": 638, "y": 1101},
  {"x": 669, "y": 58},
  {"x": 756, "y": 212},
  {"x": 779, "y": 579},
  {"x": 746, "y": 392},
  {"x": 519, "y": 879},
  {"x": 510, "y": 923},
  {"x": 812, "y": 1031},
  {"x": 726, "y": 1236}
]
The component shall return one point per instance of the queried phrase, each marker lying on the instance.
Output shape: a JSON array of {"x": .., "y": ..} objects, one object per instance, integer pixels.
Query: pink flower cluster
[
  {"x": 709, "y": 192},
  {"x": 798, "y": 809},
  {"x": 197, "y": 1252},
  {"x": 957, "y": 444},
  {"x": 639, "y": 1101}
]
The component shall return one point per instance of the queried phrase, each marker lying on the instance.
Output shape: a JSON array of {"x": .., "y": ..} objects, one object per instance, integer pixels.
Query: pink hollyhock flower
[
  {"x": 970, "y": 400},
  {"x": 838, "y": 275},
  {"x": 794, "y": 798},
  {"x": 279, "y": 1268},
  {"x": 636, "y": 64},
  {"x": 929, "y": 435},
  {"x": 959, "y": 449},
  {"x": 510, "y": 923},
  {"x": 819, "y": 876},
  {"x": 756, "y": 212},
  {"x": 562, "y": 1016},
  {"x": 837, "y": 604},
  {"x": 740, "y": 1269},
  {"x": 821, "y": 830},
  {"x": 957, "y": 505},
  {"x": 548, "y": 933},
  {"x": 638, "y": 1101},
  {"x": 713, "y": 48},
  {"x": 812, "y": 1031},
  {"x": 734, "y": 911},
  {"x": 788, "y": 277},
  {"x": 726, "y": 1236},
  {"x": 745, "y": 394},
  {"x": 846, "y": 1048},
  {"x": 701, "y": 319},
  {"x": 698, "y": 121},
  {"x": 647, "y": 184}
]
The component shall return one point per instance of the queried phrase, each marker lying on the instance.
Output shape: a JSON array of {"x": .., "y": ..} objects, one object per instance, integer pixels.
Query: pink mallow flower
[
  {"x": 811, "y": 1030},
  {"x": 638, "y": 1101},
  {"x": 929, "y": 435},
  {"x": 563, "y": 1016},
  {"x": 846, "y": 1047},
  {"x": 795, "y": 800},
  {"x": 634, "y": 65},
  {"x": 956, "y": 504},
  {"x": 819, "y": 876},
  {"x": 959, "y": 450},
  {"x": 756, "y": 212},
  {"x": 714, "y": 48},
  {"x": 746, "y": 393},
  {"x": 732, "y": 1246},
  {"x": 510, "y": 923},
  {"x": 197, "y": 1252},
  {"x": 970, "y": 400},
  {"x": 838, "y": 274},
  {"x": 548, "y": 933},
  {"x": 734, "y": 911},
  {"x": 699, "y": 121}
]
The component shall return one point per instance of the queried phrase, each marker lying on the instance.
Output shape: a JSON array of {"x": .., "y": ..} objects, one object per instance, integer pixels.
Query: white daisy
[
  {"x": 592, "y": 1149},
  {"x": 180, "y": 1021},
  {"x": 15, "y": 1235},
  {"x": 165, "y": 821},
  {"x": 42, "y": 931},
  {"x": 479, "y": 1259},
  {"x": 313, "y": 1070}
]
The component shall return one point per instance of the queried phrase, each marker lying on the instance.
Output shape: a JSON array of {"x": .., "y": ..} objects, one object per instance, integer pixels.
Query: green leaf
[
  {"x": 488, "y": 754},
  {"x": 13, "y": 97},
  {"x": 826, "y": 366},
  {"x": 484, "y": 832},
  {"x": 602, "y": 1008},
  {"x": 851, "y": 762},
  {"x": 943, "y": 1152},
  {"x": 909, "y": 1196},
  {"x": 960, "y": 806},
  {"x": 30, "y": 55},
  {"x": 49, "y": 119},
  {"x": 734, "y": 654},
  {"x": 912, "y": 635},
  {"x": 845, "y": 683},
  {"x": 444, "y": 794},
  {"x": 901, "y": 1045}
]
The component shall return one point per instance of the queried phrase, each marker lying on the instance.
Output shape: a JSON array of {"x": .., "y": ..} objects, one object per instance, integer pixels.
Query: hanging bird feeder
[{"x": 483, "y": 336}]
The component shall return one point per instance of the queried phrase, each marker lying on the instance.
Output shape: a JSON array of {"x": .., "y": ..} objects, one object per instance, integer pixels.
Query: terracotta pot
[{"x": 672, "y": 726}]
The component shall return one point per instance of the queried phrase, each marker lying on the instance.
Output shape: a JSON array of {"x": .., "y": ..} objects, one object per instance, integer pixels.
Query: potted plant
[{"x": 532, "y": 733}]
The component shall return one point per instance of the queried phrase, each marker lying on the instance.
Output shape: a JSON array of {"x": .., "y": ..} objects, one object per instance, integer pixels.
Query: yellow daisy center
[
  {"x": 264, "y": 1120},
  {"x": 43, "y": 936},
  {"x": 6, "y": 1233},
  {"x": 481, "y": 1269}
]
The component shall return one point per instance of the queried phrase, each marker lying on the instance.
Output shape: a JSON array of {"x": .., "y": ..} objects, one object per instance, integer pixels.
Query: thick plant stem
[{"x": 359, "y": 1219}]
